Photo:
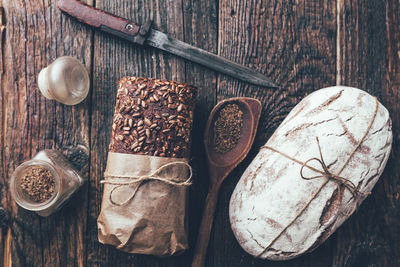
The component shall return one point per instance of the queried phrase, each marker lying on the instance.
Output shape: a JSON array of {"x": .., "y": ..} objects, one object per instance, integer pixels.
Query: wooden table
[{"x": 302, "y": 45}]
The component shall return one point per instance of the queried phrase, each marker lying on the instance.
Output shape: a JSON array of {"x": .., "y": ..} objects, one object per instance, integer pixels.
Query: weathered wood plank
[
  {"x": 114, "y": 59},
  {"x": 368, "y": 42},
  {"x": 294, "y": 43},
  {"x": 4, "y": 229},
  {"x": 201, "y": 30},
  {"x": 37, "y": 34}
]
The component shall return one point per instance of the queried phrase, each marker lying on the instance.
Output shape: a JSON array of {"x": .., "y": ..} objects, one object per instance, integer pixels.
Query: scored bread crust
[{"x": 271, "y": 192}]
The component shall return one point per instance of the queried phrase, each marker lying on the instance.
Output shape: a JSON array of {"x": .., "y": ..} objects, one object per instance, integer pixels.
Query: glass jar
[
  {"x": 67, "y": 181},
  {"x": 66, "y": 80}
]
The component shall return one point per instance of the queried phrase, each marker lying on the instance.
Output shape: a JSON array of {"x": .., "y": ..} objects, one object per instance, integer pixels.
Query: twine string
[
  {"x": 325, "y": 173},
  {"x": 340, "y": 181},
  {"x": 138, "y": 180}
]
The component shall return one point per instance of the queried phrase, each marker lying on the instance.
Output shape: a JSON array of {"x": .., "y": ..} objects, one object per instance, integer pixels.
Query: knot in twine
[
  {"x": 328, "y": 175},
  {"x": 340, "y": 181},
  {"x": 138, "y": 180}
]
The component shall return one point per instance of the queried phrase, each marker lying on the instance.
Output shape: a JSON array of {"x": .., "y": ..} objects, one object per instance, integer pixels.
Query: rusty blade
[
  {"x": 140, "y": 34},
  {"x": 162, "y": 41}
]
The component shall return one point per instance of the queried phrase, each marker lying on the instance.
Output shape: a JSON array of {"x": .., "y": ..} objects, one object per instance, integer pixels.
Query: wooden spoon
[{"x": 221, "y": 164}]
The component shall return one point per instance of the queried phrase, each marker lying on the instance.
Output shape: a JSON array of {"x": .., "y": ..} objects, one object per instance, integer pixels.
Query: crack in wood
[
  {"x": 5, "y": 233},
  {"x": 339, "y": 9}
]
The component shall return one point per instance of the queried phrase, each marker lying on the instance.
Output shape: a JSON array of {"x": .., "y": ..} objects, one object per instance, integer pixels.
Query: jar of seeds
[{"x": 44, "y": 183}]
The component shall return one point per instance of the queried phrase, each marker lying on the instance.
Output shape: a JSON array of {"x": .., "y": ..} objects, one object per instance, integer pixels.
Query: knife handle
[{"x": 105, "y": 21}]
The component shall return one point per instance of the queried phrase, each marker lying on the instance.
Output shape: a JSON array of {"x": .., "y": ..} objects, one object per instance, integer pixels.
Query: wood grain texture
[
  {"x": 369, "y": 41},
  {"x": 4, "y": 198},
  {"x": 294, "y": 43},
  {"x": 302, "y": 45},
  {"x": 201, "y": 30},
  {"x": 37, "y": 34}
]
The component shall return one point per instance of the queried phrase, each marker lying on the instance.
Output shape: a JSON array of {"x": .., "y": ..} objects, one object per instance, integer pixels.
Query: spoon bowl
[
  {"x": 221, "y": 164},
  {"x": 239, "y": 151}
]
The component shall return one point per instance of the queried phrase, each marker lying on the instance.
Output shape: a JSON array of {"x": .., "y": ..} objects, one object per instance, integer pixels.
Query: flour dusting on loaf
[{"x": 271, "y": 191}]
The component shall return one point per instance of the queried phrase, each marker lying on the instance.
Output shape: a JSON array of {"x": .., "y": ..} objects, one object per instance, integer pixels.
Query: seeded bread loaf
[{"x": 153, "y": 117}]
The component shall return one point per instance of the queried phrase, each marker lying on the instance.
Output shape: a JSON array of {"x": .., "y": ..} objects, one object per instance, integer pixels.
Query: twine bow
[
  {"x": 325, "y": 173},
  {"x": 340, "y": 181},
  {"x": 138, "y": 180}
]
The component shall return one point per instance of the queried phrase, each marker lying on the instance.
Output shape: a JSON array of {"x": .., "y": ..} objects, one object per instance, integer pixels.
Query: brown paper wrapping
[{"x": 153, "y": 221}]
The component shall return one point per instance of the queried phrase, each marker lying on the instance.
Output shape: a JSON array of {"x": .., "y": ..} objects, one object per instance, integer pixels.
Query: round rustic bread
[{"x": 277, "y": 214}]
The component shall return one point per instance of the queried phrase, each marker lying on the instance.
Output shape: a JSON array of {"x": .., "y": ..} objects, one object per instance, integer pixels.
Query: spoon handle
[{"x": 205, "y": 227}]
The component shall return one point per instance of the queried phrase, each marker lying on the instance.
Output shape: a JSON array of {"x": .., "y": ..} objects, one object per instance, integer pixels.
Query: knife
[{"x": 144, "y": 34}]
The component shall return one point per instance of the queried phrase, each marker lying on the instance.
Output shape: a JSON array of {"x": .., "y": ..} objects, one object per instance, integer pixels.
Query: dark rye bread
[{"x": 153, "y": 117}]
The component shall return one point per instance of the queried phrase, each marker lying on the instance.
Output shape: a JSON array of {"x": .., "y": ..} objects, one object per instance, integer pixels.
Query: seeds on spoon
[{"x": 227, "y": 128}]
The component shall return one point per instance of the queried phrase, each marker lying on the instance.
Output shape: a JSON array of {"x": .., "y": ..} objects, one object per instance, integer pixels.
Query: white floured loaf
[{"x": 274, "y": 212}]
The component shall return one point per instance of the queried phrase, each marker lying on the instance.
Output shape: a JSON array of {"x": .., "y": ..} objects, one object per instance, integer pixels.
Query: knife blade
[{"x": 143, "y": 34}]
